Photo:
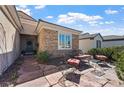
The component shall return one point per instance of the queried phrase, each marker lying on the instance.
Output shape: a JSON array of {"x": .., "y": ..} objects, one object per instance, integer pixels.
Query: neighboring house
[
  {"x": 113, "y": 40},
  {"x": 10, "y": 27},
  {"x": 88, "y": 41},
  {"x": 20, "y": 32}
]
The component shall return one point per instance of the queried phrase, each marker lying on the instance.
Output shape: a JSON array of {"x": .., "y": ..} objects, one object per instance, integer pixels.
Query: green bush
[
  {"x": 93, "y": 52},
  {"x": 101, "y": 51},
  {"x": 43, "y": 56},
  {"x": 120, "y": 65},
  {"x": 117, "y": 57}
]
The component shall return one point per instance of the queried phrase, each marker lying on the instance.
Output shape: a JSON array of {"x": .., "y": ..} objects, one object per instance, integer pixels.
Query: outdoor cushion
[
  {"x": 73, "y": 61},
  {"x": 101, "y": 57}
]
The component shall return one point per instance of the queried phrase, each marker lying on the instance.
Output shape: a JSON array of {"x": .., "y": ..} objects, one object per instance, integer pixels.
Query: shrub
[
  {"x": 120, "y": 65},
  {"x": 93, "y": 52},
  {"x": 43, "y": 56},
  {"x": 101, "y": 51},
  {"x": 117, "y": 57}
]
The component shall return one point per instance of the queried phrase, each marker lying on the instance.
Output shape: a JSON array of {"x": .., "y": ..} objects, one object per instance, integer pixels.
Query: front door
[{"x": 29, "y": 46}]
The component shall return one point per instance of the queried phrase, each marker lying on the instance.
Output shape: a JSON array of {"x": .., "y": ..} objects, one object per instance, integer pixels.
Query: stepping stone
[
  {"x": 54, "y": 78},
  {"x": 98, "y": 73},
  {"x": 88, "y": 82},
  {"x": 69, "y": 83},
  {"x": 98, "y": 79},
  {"x": 40, "y": 82},
  {"x": 111, "y": 75},
  {"x": 57, "y": 85},
  {"x": 109, "y": 85}
]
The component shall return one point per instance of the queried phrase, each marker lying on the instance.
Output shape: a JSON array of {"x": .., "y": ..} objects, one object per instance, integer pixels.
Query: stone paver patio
[
  {"x": 53, "y": 74},
  {"x": 86, "y": 79}
]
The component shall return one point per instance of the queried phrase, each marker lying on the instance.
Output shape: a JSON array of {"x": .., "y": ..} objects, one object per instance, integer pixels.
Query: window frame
[{"x": 65, "y": 43}]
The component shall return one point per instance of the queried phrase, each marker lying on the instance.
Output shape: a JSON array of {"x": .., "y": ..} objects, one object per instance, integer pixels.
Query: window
[
  {"x": 64, "y": 41},
  {"x": 98, "y": 44}
]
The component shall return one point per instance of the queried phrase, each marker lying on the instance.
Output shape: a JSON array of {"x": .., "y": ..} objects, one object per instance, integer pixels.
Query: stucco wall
[
  {"x": 113, "y": 43},
  {"x": 87, "y": 44},
  {"x": 48, "y": 40},
  {"x": 9, "y": 43},
  {"x": 29, "y": 27}
]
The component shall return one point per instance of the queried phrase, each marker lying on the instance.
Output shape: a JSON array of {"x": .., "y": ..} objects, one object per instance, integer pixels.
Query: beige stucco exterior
[
  {"x": 9, "y": 42},
  {"x": 29, "y": 26},
  {"x": 87, "y": 44}
]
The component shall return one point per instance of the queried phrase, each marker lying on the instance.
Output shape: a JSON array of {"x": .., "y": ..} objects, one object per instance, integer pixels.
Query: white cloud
[
  {"x": 40, "y": 6},
  {"x": 109, "y": 11},
  {"x": 49, "y": 17},
  {"x": 24, "y": 8},
  {"x": 93, "y": 23},
  {"x": 109, "y": 22},
  {"x": 107, "y": 31},
  {"x": 101, "y": 23},
  {"x": 106, "y": 22},
  {"x": 71, "y": 17}
]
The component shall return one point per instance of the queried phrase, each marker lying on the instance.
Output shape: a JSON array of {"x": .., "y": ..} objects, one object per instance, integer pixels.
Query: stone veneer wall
[
  {"x": 75, "y": 42},
  {"x": 48, "y": 41}
]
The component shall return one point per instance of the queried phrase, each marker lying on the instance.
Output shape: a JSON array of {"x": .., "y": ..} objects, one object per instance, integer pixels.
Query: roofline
[
  {"x": 92, "y": 37},
  {"x": 100, "y": 36},
  {"x": 28, "y": 19},
  {"x": 27, "y": 15},
  {"x": 59, "y": 25},
  {"x": 113, "y": 39},
  {"x": 11, "y": 17},
  {"x": 37, "y": 26},
  {"x": 86, "y": 38},
  {"x": 18, "y": 17}
]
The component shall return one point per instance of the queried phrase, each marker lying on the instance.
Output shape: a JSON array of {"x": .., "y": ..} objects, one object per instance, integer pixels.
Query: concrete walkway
[{"x": 84, "y": 78}]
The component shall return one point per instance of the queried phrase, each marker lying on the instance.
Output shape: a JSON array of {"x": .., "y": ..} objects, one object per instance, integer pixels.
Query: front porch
[{"x": 29, "y": 44}]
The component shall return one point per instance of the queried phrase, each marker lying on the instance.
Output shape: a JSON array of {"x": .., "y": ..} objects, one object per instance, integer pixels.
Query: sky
[{"x": 104, "y": 19}]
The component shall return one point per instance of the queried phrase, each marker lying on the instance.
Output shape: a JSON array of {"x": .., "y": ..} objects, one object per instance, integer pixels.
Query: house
[
  {"x": 113, "y": 40},
  {"x": 88, "y": 41},
  {"x": 10, "y": 28},
  {"x": 20, "y": 32},
  {"x": 45, "y": 36}
]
